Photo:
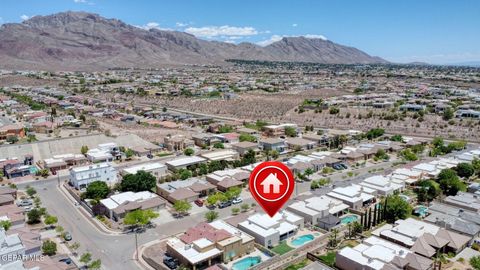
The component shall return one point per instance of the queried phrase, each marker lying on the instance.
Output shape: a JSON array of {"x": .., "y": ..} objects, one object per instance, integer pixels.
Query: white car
[{"x": 237, "y": 200}]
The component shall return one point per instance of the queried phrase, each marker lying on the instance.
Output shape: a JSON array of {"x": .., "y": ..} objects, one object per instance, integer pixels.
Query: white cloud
[
  {"x": 276, "y": 38},
  {"x": 180, "y": 24},
  {"x": 294, "y": 25},
  {"x": 225, "y": 30},
  {"x": 80, "y": 1},
  {"x": 152, "y": 25},
  {"x": 315, "y": 36},
  {"x": 271, "y": 40},
  {"x": 24, "y": 17}
]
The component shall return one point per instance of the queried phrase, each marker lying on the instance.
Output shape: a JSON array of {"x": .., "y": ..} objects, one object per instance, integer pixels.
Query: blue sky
[{"x": 434, "y": 31}]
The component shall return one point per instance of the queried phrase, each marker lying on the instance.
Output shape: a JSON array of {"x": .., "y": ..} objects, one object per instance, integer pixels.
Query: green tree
[
  {"x": 184, "y": 174},
  {"x": 12, "y": 139},
  {"x": 475, "y": 262},
  {"x": 450, "y": 183},
  {"x": 233, "y": 193},
  {"x": 211, "y": 215},
  {"x": 30, "y": 191},
  {"x": 96, "y": 264},
  {"x": 396, "y": 208},
  {"x": 397, "y": 138},
  {"x": 182, "y": 207},
  {"x": 245, "y": 207},
  {"x": 408, "y": 155},
  {"x": 5, "y": 224},
  {"x": 235, "y": 210},
  {"x": 188, "y": 151},
  {"x": 290, "y": 131},
  {"x": 139, "y": 217},
  {"x": 34, "y": 216},
  {"x": 465, "y": 170},
  {"x": 97, "y": 190},
  {"x": 86, "y": 258},
  {"x": 427, "y": 190},
  {"x": 129, "y": 153},
  {"x": 244, "y": 137},
  {"x": 49, "y": 248},
  {"x": 84, "y": 150},
  {"x": 448, "y": 114},
  {"x": 141, "y": 181},
  {"x": 50, "y": 220},
  {"x": 218, "y": 145}
]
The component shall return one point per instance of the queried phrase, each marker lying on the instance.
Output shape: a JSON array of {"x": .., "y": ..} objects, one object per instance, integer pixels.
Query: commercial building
[{"x": 81, "y": 177}]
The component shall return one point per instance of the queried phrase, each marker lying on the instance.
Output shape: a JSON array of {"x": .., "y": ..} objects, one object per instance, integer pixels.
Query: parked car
[
  {"x": 170, "y": 262},
  {"x": 211, "y": 206},
  {"x": 66, "y": 260},
  {"x": 237, "y": 200},
  {"x": 25, "y": 203},
  {"x": 225, "y": 204},
  {"x": 67, "y": 236},
  {"x": 199, "y": 202}
]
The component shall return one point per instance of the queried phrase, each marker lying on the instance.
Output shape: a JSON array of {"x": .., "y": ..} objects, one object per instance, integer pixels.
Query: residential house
[
  {"x": 120, "y": 204},
  {"x": 81, "y": 177}
]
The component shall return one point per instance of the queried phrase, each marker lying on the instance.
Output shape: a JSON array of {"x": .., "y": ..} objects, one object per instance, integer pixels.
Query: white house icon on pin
[{"x": 273, "y": 181}]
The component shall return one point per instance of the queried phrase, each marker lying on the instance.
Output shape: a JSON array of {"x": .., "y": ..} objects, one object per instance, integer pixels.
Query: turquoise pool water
[
  {"x": 246, "y": 263},
  {"x": 33, "y": 170},
  {"x": 348, "y": 219},
  {"x": 301, "y": 240},
  {"x": 421, "y": 210}
]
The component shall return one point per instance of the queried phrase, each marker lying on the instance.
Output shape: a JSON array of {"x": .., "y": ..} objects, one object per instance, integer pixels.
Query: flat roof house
[
  {"x": 157, "y": 169},
  {"x": 378, "y": 254},
  {"x": 465, "y": 200},
  {"x": 382, "y": 184},
  {"x": 272, "y": 144},
  {"x": 355, "y": 196},
  {"x": 184, "y": 162},
  {"x": 227, "y": 154},
  {"x": 321, "y": 211},
  {"x": 81, "y": 177},
  {"x": 269, "y": 231},
  {"x": 243, "y": 147}
]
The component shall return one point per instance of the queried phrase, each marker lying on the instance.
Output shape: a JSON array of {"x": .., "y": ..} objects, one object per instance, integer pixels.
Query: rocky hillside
[{"x": 85, "y": 41}]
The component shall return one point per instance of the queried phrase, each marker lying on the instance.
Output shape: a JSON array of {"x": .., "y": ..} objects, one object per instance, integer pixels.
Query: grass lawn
[
  {"x": 282, "y": 248},
  {"x": 328, "y": 259},
  {"x": 299, "y": 265}
]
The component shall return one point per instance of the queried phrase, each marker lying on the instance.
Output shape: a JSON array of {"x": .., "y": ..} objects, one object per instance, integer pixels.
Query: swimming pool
[
  {"x": 348, "y": 219},
  {"x": 301, "y": 240},
  {"x": 421, "y": 210},
  {"x": 246, "y": 263},
  {"x": 33, "y": 170},
  {"x": 404, "y": 197}
]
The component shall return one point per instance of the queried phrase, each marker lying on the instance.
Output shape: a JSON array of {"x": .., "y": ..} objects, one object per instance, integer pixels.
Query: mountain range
[{"x": 86, "y": 41}]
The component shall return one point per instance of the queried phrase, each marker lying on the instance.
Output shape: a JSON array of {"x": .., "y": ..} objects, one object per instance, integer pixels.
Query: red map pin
[{"x": 271, "y": 184}]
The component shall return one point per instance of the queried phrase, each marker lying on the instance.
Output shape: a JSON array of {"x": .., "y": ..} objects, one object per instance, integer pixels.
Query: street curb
[{"x": 80, "y": 209}]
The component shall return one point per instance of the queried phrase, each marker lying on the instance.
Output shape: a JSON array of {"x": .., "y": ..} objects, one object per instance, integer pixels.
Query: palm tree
[{"x": 332, "y": 239}]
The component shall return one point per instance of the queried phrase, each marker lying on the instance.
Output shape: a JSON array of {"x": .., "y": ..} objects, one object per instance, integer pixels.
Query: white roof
[
  {"x": 407, "y": 231},
  {"x": 352, "y": 193},
  {"x": 91, "y": 167},
  {"x": 425, "y": 167},
  {"x": 358, "y": 257},
  {"x": 144, "y": 167},
  {"x": 407, "y": 172},
  {"x": 202, "y": 243},
  {"x": 115, "y": 200},
  {"x": 190, "y": 253},
  {"x": 220, "y": 155},
  {"x": 325, "y": 203},
  {"x": 185, "y": 161}
]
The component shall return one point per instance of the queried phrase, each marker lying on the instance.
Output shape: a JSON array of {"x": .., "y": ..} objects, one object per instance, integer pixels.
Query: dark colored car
[
  {"x": 199, "y": 202},
  {"x": 224, "y": 204},
  {"x": 66, "y": 260},
  {"x": 170, "y": 262}
]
